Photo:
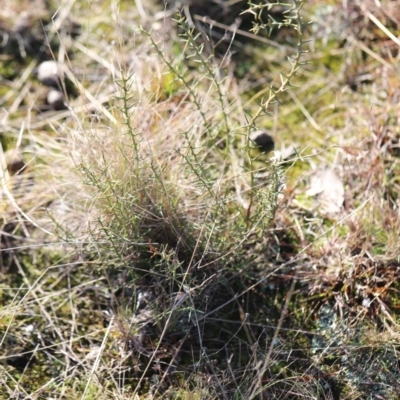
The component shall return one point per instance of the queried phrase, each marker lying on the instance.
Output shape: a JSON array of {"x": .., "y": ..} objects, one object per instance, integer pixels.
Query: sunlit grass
[{"x": 149, "y": 250}]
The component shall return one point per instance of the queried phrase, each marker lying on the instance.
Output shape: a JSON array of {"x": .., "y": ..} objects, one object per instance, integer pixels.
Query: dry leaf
[{"x": 329, "y": 188}]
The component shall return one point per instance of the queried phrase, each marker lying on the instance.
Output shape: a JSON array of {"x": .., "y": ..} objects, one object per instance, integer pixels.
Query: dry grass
[{"x": 143, "y": 252}]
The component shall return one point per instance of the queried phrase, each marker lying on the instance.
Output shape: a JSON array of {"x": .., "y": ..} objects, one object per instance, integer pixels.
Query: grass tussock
[{"x": 151, "y": 249}]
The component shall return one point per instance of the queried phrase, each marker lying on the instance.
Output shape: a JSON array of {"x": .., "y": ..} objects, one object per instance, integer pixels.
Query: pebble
[
  {"x": 15, "y": 162},
  {"x": 49, "y": 73},
  {"x": 263, "y": 140},
  {"x": 55, "y": 99}
]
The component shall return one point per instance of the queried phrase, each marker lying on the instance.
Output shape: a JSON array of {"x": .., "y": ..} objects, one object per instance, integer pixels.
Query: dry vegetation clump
[
  {"x": 21, "y": 28},
  {"x": 149, "y": 249}
]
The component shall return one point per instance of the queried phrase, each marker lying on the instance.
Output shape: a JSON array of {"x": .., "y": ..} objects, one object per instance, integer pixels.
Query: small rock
[
  {"x": 55, "y": 99},
  {"x": 29, "y": 328},
  {"x": 15, "y": 163},
  {"x": 263, "y": 140},
  {"x": 49, "y": 73},
  {"x": 366, "y": 302}
]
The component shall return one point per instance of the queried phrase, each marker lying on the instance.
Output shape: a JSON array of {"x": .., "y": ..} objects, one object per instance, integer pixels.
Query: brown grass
[{"x": 142, "y": 252}]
